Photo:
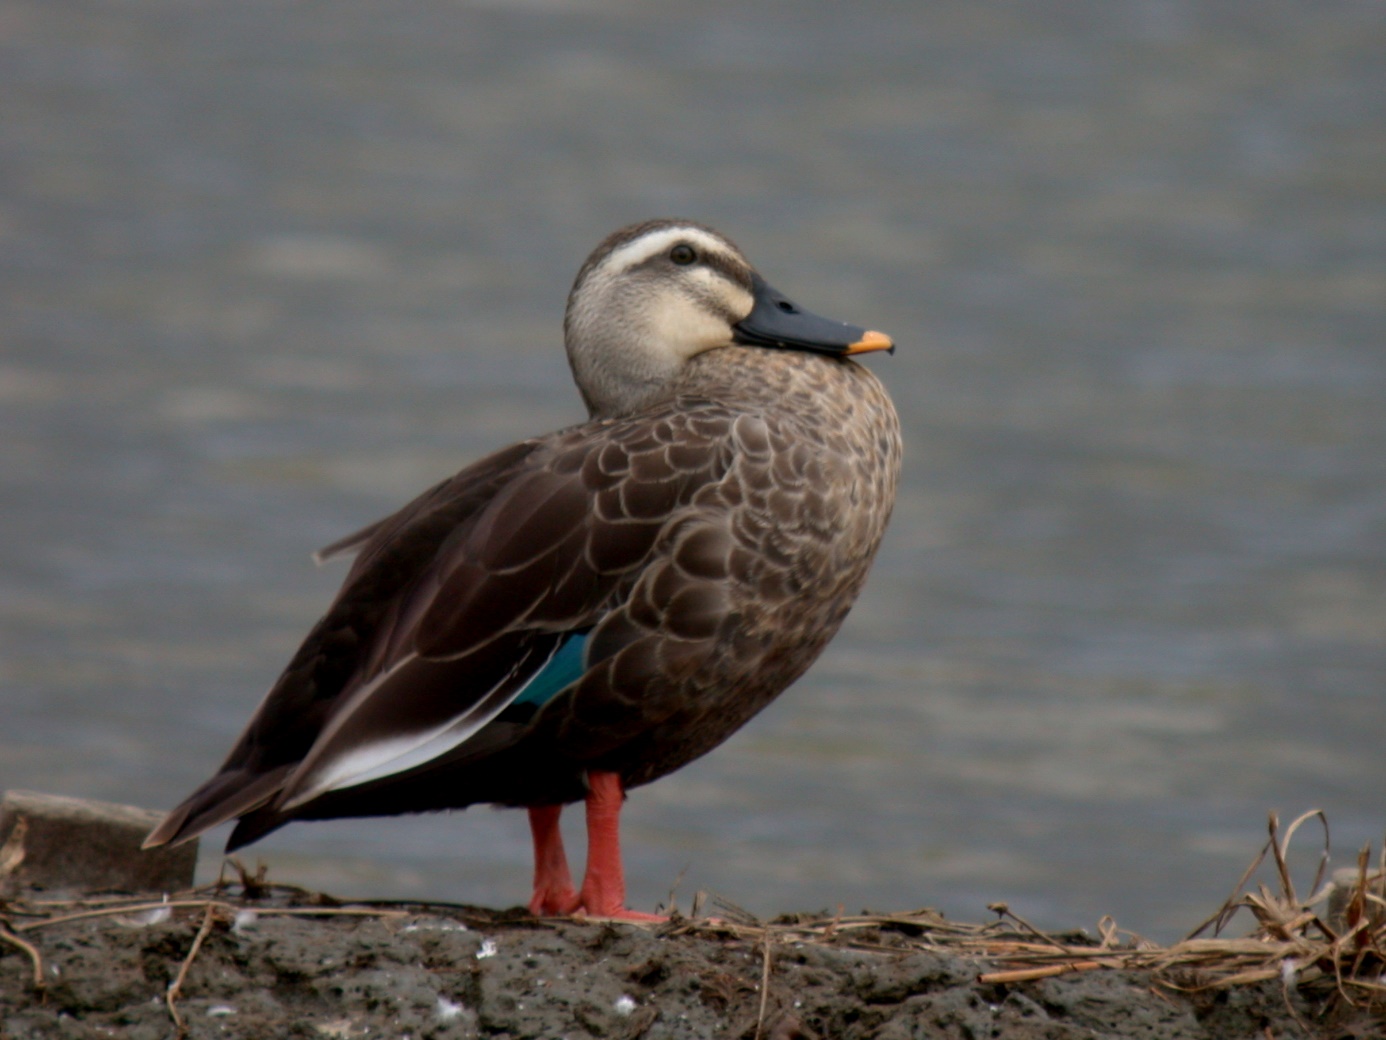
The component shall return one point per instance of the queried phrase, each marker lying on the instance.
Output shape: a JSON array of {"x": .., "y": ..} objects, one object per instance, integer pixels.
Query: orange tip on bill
[{"x": 871, "y": 341}]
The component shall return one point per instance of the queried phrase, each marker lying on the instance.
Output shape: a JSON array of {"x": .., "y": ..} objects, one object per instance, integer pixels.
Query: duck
[{"x": 588, "y": 610}]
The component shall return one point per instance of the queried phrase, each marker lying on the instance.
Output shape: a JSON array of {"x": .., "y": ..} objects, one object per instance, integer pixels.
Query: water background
[{"x": 267, "y": 270}]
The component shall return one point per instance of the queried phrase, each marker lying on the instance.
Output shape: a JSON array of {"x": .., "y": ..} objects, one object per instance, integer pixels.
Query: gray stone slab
[{"x": 57, "y": 843}]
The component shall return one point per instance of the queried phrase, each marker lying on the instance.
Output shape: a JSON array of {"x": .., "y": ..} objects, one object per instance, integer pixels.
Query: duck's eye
[{"x": 683, "y": 254}]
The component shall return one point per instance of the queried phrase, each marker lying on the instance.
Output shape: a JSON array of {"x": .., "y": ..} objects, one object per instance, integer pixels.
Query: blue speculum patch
[{"x": 565, "y": 667}]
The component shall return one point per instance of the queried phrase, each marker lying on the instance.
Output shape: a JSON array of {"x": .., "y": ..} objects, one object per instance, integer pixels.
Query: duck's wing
[{"x": 454, "y": 608}]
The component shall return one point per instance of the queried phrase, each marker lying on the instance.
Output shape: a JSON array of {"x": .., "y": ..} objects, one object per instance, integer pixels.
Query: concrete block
[{"x": 76, "y": 845}]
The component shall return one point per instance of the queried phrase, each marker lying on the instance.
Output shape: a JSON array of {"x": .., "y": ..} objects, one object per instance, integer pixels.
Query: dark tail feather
[
  {"x": 253, "y": 826},
  {"x": 224, "y": 797}
]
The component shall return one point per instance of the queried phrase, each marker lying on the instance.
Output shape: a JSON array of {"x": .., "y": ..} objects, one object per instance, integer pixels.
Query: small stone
[
  {"x": 244, "y": 921},
  {"x": 447, "y": 1010},
  {"x": 145, "y": 918},
  {"x": 337, "y": 1028},
  {"x": 55, "y": 843},
  {"x": 1341, "y": 895}
]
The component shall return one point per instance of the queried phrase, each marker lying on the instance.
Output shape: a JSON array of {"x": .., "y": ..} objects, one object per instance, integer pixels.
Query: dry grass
[
  {"x": 1334, "y": 939},
  {"x": 1330, "y": 943}
]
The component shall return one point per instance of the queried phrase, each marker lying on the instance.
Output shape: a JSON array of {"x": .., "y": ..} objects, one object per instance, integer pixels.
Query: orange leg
[
  {"x": 604, "y": 887},
  {"x": 554, "y": 894}
]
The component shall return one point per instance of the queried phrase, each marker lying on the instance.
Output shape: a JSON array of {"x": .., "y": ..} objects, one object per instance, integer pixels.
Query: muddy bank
[{"x": 290, "y": 967}]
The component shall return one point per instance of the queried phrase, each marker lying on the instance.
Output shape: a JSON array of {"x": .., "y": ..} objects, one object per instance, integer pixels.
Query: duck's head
[{"x": 654, "y": 295}]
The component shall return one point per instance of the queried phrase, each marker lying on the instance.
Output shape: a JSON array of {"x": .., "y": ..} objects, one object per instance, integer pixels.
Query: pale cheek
[{"x": 685, "y": 329}]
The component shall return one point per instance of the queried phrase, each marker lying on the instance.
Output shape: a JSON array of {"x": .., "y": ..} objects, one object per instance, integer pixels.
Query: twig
[
  {"x": 764, "y": 985},
  {"x": 829, "y": 931},
  {"x": 179, "y": 904},
  {"x": 1289, "y": 889},
  {"x": 1003, "y": 910},
  {"x": 1224, "y": 913},
  {"x": 110, "y": 911},
  {"x": 34, "y": 957},
  {"x": 1030, "y": 974},
  {"x": 176, "y": 986}
]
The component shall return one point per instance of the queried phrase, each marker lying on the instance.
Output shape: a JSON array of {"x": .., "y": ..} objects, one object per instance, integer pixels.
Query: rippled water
[{"x": 268, "y": 270}]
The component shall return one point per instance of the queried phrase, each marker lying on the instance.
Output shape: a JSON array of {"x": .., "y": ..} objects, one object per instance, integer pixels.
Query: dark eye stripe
[
  {"x": 719, "y": 262},
  {"x": 734, "y": 271}
]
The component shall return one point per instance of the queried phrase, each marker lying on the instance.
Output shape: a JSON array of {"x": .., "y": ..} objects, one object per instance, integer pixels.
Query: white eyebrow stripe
[{"x": 655, "y": 242}]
